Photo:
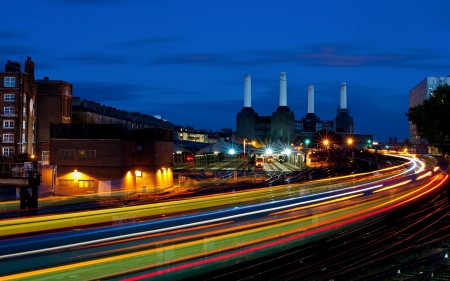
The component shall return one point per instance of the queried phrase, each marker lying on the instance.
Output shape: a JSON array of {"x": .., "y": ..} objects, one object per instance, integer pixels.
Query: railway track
[{"x": 413, "y": 244}]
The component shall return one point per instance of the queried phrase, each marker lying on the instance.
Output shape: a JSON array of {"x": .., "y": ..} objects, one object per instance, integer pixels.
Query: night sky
[{"x": 186, "y": 60}]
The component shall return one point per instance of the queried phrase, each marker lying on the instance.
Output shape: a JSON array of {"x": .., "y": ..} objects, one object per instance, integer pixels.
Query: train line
[{"x": 411, "y": 244}]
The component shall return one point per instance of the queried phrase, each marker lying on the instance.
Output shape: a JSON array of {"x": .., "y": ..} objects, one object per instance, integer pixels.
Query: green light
[{"x": 307, "y": 141}]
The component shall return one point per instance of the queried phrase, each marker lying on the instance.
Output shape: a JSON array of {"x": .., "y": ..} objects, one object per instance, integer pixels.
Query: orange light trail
[{"x": 392, "y": 186}]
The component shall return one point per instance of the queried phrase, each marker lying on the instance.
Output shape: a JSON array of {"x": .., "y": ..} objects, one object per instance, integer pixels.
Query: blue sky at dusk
[{"x": 186, "y": 60}]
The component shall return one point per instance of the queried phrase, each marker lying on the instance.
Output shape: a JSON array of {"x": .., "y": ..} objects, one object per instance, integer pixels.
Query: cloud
[
  {"x": 14, "y": 49},
  {"x": 329, "y": 55},
  {"x": 6, "y": 34},
  {"x": 147, "y": 41},
  {"x": 99, "y": 59},
  {"x": 95, "y": 2},
  {"x": 108, "y": 92},
  {"x": 198, "y": 58}
]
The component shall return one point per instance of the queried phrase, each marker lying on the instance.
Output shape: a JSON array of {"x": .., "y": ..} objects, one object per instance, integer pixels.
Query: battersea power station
[{"x": 282, "y": 124}]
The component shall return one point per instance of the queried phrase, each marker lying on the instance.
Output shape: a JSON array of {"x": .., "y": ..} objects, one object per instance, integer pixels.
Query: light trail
[{"x": 249, "y": 237}]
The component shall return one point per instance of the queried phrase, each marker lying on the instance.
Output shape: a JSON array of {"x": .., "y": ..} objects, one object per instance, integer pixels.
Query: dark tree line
[{"x": 432, "y": 119}]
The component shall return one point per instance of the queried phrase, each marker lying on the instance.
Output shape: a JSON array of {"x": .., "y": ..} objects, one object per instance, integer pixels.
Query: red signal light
[{"x": 189, "y": 158}]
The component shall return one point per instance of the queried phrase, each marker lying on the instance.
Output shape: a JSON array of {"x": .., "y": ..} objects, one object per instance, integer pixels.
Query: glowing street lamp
[
  {"x": 349, "y": 141},
  {"x": 326, "y": 142},
  {"x": 307, "y": 142}
]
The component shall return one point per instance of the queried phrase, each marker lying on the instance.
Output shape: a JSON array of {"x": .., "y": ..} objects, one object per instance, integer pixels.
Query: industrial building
[{"x": 282, "y": 124}]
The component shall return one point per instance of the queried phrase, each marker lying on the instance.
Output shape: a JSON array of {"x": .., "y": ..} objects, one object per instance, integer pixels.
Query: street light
[{"x": 307, "y": 142}]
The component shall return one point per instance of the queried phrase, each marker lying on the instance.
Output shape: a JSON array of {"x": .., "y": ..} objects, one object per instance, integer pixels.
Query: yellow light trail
[
  {"x": 189, "y": 250},
  {"x": 392, "y": 186}
]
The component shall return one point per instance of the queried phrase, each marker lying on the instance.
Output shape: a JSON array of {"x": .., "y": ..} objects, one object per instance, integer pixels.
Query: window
[
  {"x": 8, "y": 124},
  {"x": 25, "y": 98},
  {"x": 87, "y": 153},
  {"x": 24, "y": 140},
  {"x": 86, "y": 183},
  {"x": 10, "y": 82},
  {"x": 24, "y": 125},
  {"x": 66, "y": 183},
  {"x": 33, "y": 125},
  {"x": 7, "y": 151},
  {"x": 8, "y": 137},
  {"x": 24, "y": 112},
  {"x": 32, "y": 138},
  {"x": 8, "y": 110},
  {"x": 45, "y": 157},
  {"x": 66, "y": 153},
  {"x": 9, "y": 97}
]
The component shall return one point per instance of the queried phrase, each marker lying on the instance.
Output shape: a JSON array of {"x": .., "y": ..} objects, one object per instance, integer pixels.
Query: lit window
[
  {"x": 24, "y": 112},
  {"x": 24, "y": 98},
  {"x": 8, "y": 137},
  {"x": 8, "y": 110},
  {"x": 66, "y": 183},
  {"x": 9, "y": 97},
  {"x": 87, "y": 153},
  {"x": 32, "y": 138},
  {"x": 8, "y": 124},
  {"x": 45, "y": 157},
  {"x": 33, "y": 125},
  {"x": 66, "y": 153},
  {"x": 24, "y": 124},
  {"x": 7, "y": 151},
  {"x": 23, "y": 138},
  {"x": 86, "y": 183},
  {"x": 10, "y": 82}
]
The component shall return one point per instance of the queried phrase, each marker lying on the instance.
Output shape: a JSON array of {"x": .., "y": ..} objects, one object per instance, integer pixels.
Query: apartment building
[{"x": 18, "y": 109}]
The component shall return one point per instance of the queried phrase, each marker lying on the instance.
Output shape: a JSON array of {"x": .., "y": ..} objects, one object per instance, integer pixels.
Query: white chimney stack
[
  {"x": 310, "y": 98},
  {"x": 343, "y": 96},
  {"x": 247, "y": 90},
  {"x": 283, "y": 89}
]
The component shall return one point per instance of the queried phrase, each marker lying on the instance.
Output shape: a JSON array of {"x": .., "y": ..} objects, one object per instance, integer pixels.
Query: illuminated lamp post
[
  {"x": 307, "y": 142},
  {"x": 350, "y": 145},
  {"x": 326, "y": 142},
  {"x": 232, "y": 152}
]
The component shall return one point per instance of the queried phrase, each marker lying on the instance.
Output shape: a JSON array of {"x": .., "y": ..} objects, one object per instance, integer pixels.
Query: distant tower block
[
  {"x": 283, "y": 89},
  {"x": 248, "y": 90},
  {"x": 343, "y": 95},
  {"x": 310, "y": 98}
]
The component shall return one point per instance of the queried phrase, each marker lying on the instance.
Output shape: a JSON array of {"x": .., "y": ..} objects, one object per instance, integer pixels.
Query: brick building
[
  {"x": 90, "y": 112},
  {"x": 18, "y": 109},
  {"x": 108, "y": 158},
  {"x": 55, "y": 98}
]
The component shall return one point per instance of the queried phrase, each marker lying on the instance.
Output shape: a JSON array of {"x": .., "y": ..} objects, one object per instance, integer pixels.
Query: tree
[{"x": 432, "y": 117}]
